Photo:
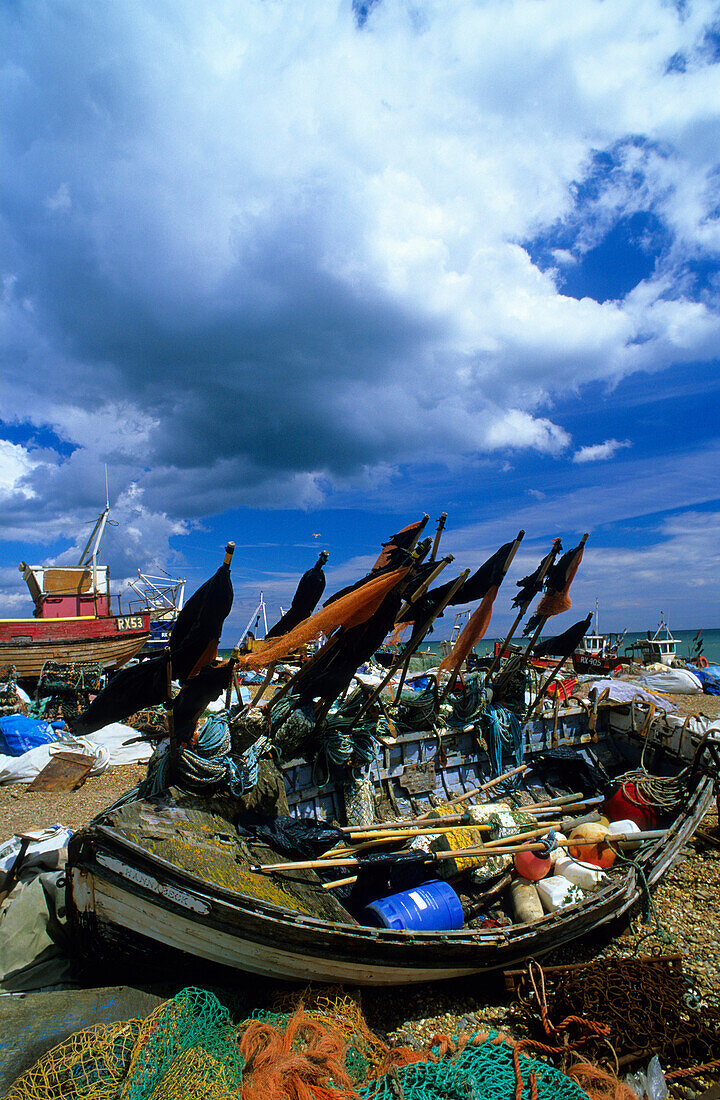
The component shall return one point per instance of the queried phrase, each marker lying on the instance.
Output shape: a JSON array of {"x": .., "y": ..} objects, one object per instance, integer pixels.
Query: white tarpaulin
[
  {"x": 106, "y": 745},
  {"x": 623, "y": 691},
  {"x": 673, "y": 681}
]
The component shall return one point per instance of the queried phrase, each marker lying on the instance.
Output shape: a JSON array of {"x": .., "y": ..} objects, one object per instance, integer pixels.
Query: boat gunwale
[{"x": 653, "y": 862}]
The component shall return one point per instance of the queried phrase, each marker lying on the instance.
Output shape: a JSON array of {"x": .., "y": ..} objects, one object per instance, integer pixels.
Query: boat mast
[{"x": 96, "y": 535}]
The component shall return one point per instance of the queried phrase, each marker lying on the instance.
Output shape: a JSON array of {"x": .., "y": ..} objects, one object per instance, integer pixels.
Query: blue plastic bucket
[{"x": 432, "y": 907}]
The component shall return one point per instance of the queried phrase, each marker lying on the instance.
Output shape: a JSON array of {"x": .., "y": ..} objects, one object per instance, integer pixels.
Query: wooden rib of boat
[{"x": 170, "y": 877}]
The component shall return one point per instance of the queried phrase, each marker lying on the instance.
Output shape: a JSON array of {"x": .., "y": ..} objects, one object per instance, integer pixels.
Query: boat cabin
[
  {"x": 68, "y": 593},
  {"x": 659, "y": 648}
]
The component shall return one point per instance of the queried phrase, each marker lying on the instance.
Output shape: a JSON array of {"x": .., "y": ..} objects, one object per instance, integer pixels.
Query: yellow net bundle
[{"x": 186, "y": 1047}]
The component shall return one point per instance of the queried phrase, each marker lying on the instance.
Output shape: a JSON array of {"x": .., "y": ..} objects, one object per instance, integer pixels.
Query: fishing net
[
  {"x": 186, "y": 1047},
  {"x": 315, "y": 1047},
  {"x": 350, "y": 610},
  {"x": 486, "y": 1065}
]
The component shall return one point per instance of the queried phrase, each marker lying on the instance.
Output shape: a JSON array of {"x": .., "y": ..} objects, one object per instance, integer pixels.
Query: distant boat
[
  {"x": 660, "y": 648},
  {"x": 73, "y": 618},
  {"x": 598, "y": 653},
  {"x": 162, "y": 599}
]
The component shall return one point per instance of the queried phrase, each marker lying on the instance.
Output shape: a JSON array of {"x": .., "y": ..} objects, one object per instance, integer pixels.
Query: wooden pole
[
  {"x": 543, "y": 690},
  {"x": 550, "y": 559},
  {"x": 169, "y": 705},
  {"x": 440, "y": 528},
  {"x": 504, "y": 846},
  {"x": 409, "y": 649},
  {"x": 424, "y": 587},
  {"x": 229, "y": 551},
  {"x": 228, "y": 694},
  {"x": 265, "y": 683},
  {"x": 508, "y": 563}
]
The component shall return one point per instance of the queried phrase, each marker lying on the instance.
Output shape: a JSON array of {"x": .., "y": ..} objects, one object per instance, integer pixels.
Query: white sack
[
  {"x": 106, "y": 745},
  {"x": 673, "y": 681}
]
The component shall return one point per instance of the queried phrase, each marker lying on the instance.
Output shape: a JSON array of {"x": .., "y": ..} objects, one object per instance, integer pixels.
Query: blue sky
[{"x": 299, "y": 272}]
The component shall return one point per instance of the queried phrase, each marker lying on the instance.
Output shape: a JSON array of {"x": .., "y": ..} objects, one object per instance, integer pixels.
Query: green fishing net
[{"x": 483, "y": 1072}]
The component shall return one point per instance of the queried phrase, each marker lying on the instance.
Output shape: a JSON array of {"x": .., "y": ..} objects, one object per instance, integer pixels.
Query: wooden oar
[
  {"x": 483, "y": 787},
  {"x": 352, "y": 831},
  {"x": 492, "y": 848}
]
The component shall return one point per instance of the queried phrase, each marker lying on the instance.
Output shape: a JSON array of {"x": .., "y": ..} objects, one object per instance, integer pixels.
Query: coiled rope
[
  {"x": 665, "y": 792},
  {"x": 473, "y": 702}
]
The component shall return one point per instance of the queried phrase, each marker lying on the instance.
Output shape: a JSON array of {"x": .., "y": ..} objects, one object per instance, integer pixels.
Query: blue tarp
[
  {"x": 709, "y": 678},
  {"x": 19, "y": 734}
]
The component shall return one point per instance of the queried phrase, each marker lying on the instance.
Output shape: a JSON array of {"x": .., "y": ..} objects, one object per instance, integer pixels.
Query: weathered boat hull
[
  {"x": 110, "y": 640},
  {"x": 122, "y": 896}
]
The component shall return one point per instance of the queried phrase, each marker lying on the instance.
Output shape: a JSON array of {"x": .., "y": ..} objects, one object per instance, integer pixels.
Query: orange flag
[
  {"x": 473, "y": 632},
  {"x": 350, "y": 610}
]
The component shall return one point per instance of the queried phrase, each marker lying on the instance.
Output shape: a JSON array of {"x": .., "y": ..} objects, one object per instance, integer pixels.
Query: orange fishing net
[
  {"x": 473, "y": 632},
  {"x": 350, "y": 610},
  {"x": 555, "y": 602}
]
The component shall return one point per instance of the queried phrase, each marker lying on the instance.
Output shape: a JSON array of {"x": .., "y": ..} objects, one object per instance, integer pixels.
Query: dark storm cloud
[{"x": 255, "y": 254}]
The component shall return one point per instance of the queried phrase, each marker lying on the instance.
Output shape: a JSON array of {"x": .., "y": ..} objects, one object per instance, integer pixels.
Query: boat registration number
[{"x": 129, "y": 622}]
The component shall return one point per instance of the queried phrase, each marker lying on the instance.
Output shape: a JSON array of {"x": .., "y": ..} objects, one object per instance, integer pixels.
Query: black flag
[
  {"x": 208, "y": 684},
  {"x": 530, "y": 586},
  {"x": 395, "y": 554},
  {"x": 130, "y": 690},
  {"x": 562, "y": 645},
  {"x": 307, "y": 596},
  {"x": 490, "y": 573},
  {"x": 196, "y": 634}
]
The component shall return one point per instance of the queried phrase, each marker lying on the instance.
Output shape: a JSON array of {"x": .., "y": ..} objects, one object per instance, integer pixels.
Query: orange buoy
[
  {"x": 532, "y": 865},
  {"x": 594, "y": 847}
]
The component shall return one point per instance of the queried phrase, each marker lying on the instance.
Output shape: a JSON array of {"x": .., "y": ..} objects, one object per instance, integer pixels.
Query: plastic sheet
[
  {"x": 300, "y": 837},
  {"x": 106, "y": 745},
  {"x": 19, "y": 734}
]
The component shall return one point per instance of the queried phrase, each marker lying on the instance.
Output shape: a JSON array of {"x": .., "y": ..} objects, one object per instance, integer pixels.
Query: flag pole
[
  {"x": 521, "y": 613},
  {"x": 416, "y": 596},
  {"x": 424, "y": 586},
  {"x": 169, "y": 717},
  {"x": 544, "y": 689},
  {"x": 533, "y": 641},
  {"x": 440, "y": 528},
  {"x": 409, "y": 649},
  {"x": 506, "y": 566}
]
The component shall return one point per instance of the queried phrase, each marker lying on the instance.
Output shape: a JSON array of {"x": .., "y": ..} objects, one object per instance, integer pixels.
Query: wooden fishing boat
[
  {"x": 73, "y": 619},
  {"x": 170, "y": 877}
]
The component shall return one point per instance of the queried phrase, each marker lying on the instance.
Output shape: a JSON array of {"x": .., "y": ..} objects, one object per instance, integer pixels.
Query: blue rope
[{"x": 502, "y": 729}]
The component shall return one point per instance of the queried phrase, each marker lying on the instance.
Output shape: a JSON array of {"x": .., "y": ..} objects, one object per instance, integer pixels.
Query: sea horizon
[{"x": 684, "y": 638}]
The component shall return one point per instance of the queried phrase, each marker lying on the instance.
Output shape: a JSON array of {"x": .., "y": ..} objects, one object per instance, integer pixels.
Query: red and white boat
[{"x": 73, "y": 618}]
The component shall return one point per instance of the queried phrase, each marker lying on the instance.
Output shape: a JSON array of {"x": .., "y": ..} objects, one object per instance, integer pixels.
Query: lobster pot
[{"x": 432, "y": 907}]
